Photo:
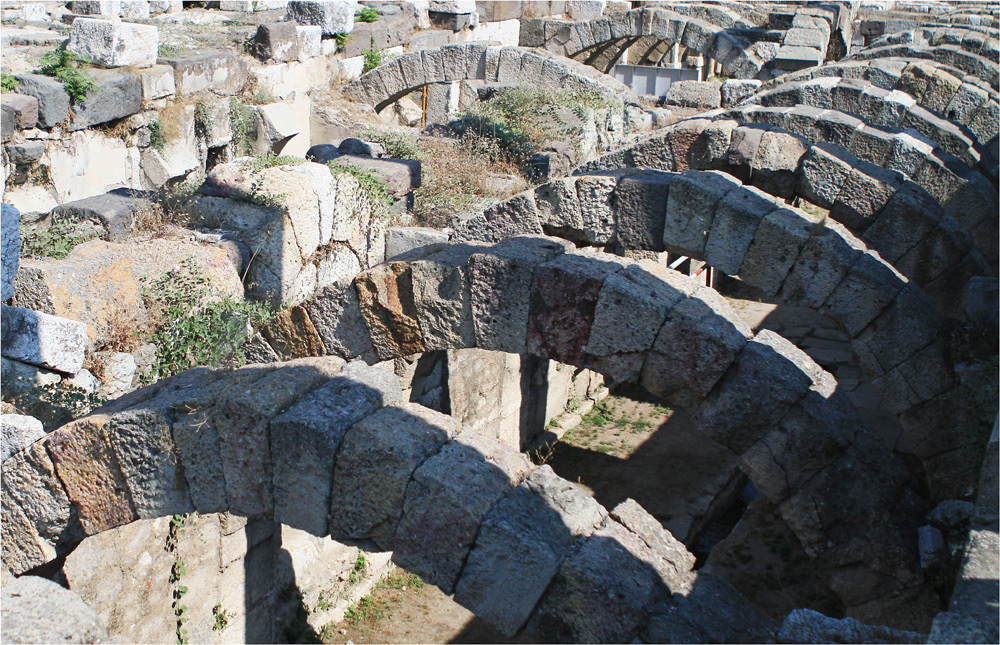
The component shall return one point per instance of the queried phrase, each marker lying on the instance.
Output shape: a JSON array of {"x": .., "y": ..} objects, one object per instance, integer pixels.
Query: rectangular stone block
[
  {"x": 777, "y": 241},
  {"x": 443, "y": 297},
  {"x": 733, "y": 226},
  {"x": 308, "y": 435},
  {"x": 563, "y": 301},
  {"x": 905, "y": 327},
  {"x": 640, "y": 206},
  {"x": 385, "y": 293},
  {"x": 43, "y": 339},
  {"x": 114, "y": 44},
  {"x": 335, "y": 313},
  {"x": 376, "y": 460},
  {"x": 520, "y": 545},
  {"x": 501, "y": 290},
  {"x": 694, "y": 348},
  {"x": 88, "y": 470},
  {"x": 631, "y": 308},
  {"x": 822, "y": 263},
  {"x": 691, "y": 207}
]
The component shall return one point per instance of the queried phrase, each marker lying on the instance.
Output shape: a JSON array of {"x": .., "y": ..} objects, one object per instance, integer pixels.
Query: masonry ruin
[{"x": 297, "y": 292}]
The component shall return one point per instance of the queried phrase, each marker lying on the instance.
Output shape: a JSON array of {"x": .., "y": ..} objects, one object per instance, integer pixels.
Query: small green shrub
[
  {"x": 222, "y": 618},
  {"x": 7, "y": 82},
  {"x": 372, "y": 186},
  {"x": 375, "y": 57},
  {"x": 366, "y": 14},
  {"x": 396, "y": 145},
  {"x": 243, "y": 122},
  {"x": 270, "y": 160},
  {"x": 342, "y": 40},
  {"x": 168, "y": 51},
  {"x": 56, "y": 242},
  {"x": 157, "y": 139},
  {"x": 71, "y": 71},
  {"x": 190, "y": 330}
]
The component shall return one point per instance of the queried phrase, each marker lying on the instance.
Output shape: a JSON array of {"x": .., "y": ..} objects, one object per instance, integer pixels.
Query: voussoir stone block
[
  {"x": 691, "y": 204},
  {"x": 777, "y": 241},
  {"x": 30, "y": 481},
  {"x": 501, "y": 290},
  {"x": 903, "y": 328},
  {"x": 866, "y": 290},
  {"x": 520, "y": 546},
  {"x": 631, "y": 308},
  {"x": 447, "y": 500},
  {"x": 443, "y": 297},
  {"x": 306, "y": 437},
  {"x": 86, "y": 466},
  {"x": 822, "y": 263},
  {"x": 114, "y": 44},
  {"x": 640, "y": 204},
  {"x": 376, "y": 460},
  {"x": 335, "y": 313},
  {"x": 563, "y": 301},
  {"x": 387, "y": 304},
  {"x": 699, "y": 340},
  {"x": 736, "y": 219},
  {"x": 767, "y": 376}
]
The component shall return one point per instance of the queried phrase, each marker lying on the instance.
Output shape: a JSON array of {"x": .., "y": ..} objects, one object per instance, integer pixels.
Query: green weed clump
[
  {"x": 366, "y": 14},
  {"x": 191, "y": 329},
  {"x": 242, "y": 120},
  {"x": 373, "y": 187},
  {"x": 71, "y": 70},
  {"x": 396, "y": 145},
  {"x": 56, "y": 242},
  {"x": 375, "y": 57},
  {"x": 270, "y": 160},
  {"x": 7, "y": 82}
]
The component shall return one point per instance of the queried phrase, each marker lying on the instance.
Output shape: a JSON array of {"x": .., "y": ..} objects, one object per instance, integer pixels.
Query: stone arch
[
  {"x": 722, "y": 15},
  {"x": 885, "y": 209},
  {"x": 977, "y": 42},
  {"x": 880, "y": 108},
  {"x": 895, "y": 331},
  {"x": 400, "y": 76},
  {"x": 589, "y": 39},
  {"x": 298, "y": 441},
  {"x": 965, "y": 100},
  {"x": 951, "y": 55},
  {"x": 964, "y": 194}
]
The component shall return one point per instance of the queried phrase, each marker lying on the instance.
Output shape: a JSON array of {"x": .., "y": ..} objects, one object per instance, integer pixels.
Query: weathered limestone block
[
  {"x": 866, "y": 191},
  {"x": 114, "y": 44},
  {"x": 376, "y": 460},
  {"x": 142, "y": 443},
  {"x": 52, "y": 98},
  {"x": 596, "y": 212},
  {"x": 694, "y": 348},
  {"x": 563, "y": 301},
  {"x": 113, "y": 212},
  {"x": 85, "y": 464},
  {"x": 117, "y": 94},
  {"x": 37, "y": 610},
  {"x": 824, "y": 171},
  {"x": 768, "y": 369},
  {"x": 241, "y": 420},
  {"x": 443, "y": 297},
  {"x": 640, "y": 205},
  {"x": 691, "y": 206},
  {"x": 43, "y": 339},
  {"x": 736, "y": 220},
  {"x": 558, "y": 206},
  {"x": 808, "y": 626},
  {"x": 95, "y": 284},
  {"x": 907, "y": 218},
  {"x": 631, "y": 308},
  {"x": 10, "y": 229},
  {"x": 387, "y": 304},
  {"x": 907, "y": 325},
  {"x": 276, "y": 42},
  {"x": 822, "y": 263},
  {"x": 401, "y": 176},
  {"x": 695, "y": 94},
  {"x": 514, "y": 216},
  {"x": 501, "y": 290},
  {"x": 218, "y": 71},
  {"x": 447, "y": 500},
  {"x": 333, "y": 16},
  {"x": 308, "y": 436},
  {"x": 603, "y": 590},
  {"x": 866, "y": 290},
  {"x": 774, "y": 166},
  {"x": 682, "y": 140},
  {"x": 335, "y": 313},
  {"x": 30, "y": 483},
  {"x": 520, "y": 545},
  {"x": 23, "y": 110},
  {"x": 777, "y": 241},
  {"x": 17, "y": 432}
]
